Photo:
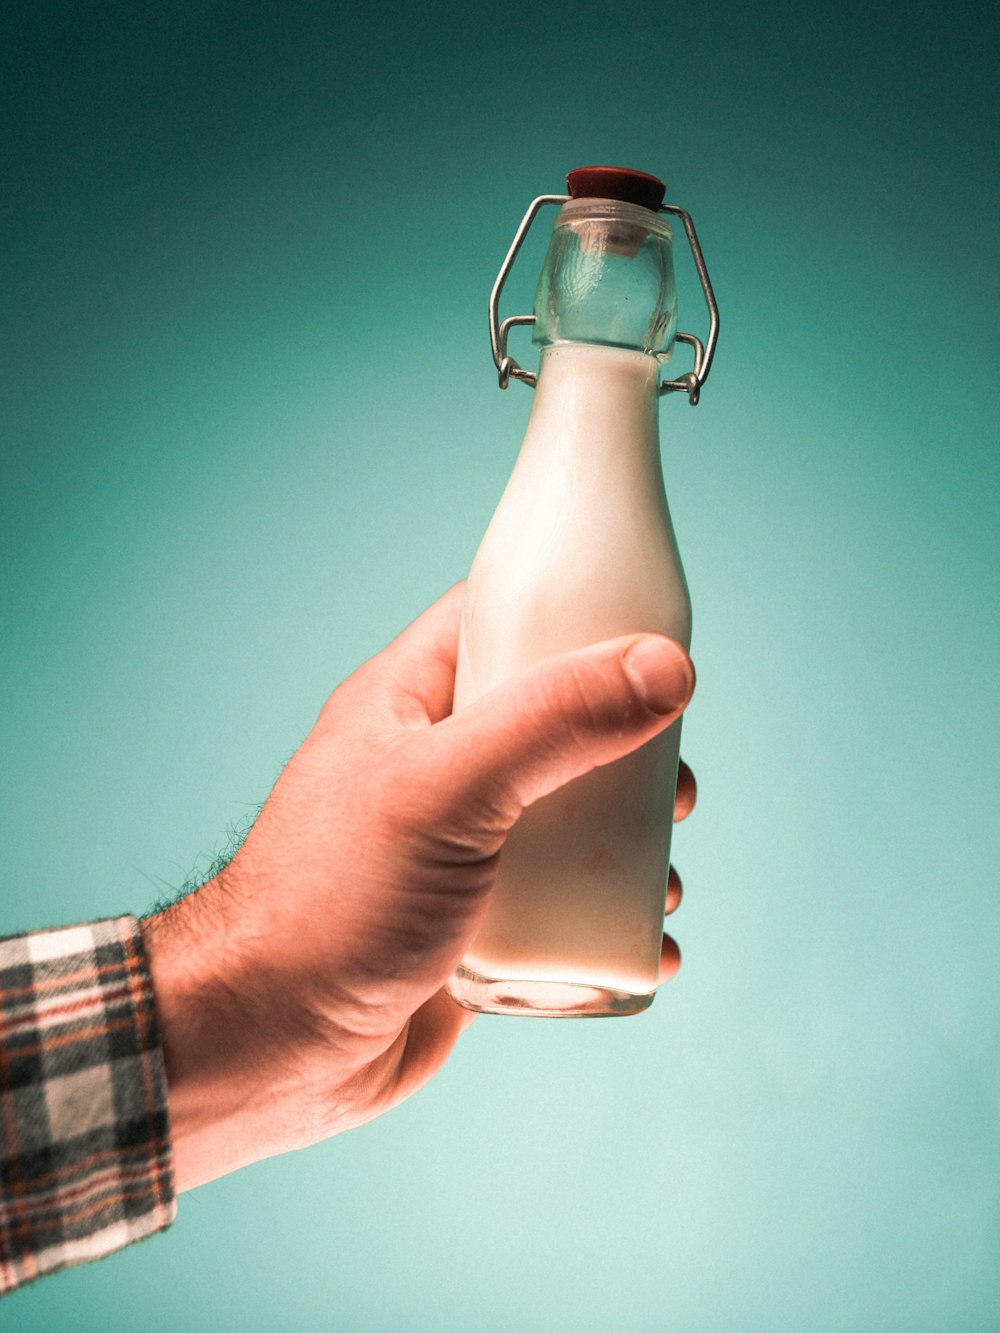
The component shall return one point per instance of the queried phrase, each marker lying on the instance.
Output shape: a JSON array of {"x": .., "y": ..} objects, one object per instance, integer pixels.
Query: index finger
[
  {"x": 422, "y": 660},
  {"x": 687, "y": 792}
]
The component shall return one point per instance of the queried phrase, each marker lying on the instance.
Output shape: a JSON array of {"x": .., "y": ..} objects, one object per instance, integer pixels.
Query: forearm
[{"x": 85, "y": 1162}]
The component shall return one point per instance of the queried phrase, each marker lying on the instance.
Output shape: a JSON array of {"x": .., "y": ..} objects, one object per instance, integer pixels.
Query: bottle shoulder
[
  {"x": 581, "y": 547},
  {"x": 533, "y": 598}
]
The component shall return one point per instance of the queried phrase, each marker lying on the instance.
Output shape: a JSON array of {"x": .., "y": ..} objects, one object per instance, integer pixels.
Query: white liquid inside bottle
[{"x": 580, "y": 549}]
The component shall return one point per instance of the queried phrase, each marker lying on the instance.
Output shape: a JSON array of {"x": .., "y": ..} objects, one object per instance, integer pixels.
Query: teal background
[{"x": 251, "y": 427}]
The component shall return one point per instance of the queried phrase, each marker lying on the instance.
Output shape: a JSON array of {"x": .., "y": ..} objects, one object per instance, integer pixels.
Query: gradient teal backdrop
[{"x": 251, "y": 428}]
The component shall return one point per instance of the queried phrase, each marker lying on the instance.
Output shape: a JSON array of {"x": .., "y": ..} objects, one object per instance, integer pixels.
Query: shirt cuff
[{"x": 85, "y": 1157}]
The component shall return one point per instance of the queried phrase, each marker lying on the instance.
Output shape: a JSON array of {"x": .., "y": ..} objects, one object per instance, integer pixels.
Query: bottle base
[{"x": 542, "y": 999}]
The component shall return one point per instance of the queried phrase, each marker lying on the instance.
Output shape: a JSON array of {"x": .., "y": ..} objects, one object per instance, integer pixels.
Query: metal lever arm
[
  {"x": 703, "y": 354},
  {"x": 507, "y": 367}
]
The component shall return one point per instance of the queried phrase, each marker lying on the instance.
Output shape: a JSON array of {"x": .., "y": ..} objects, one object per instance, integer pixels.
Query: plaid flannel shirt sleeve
[{"x": 85, "y": 1156}]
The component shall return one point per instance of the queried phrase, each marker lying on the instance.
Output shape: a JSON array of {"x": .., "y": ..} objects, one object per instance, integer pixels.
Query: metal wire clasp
[{"x": 508, "y": 368}]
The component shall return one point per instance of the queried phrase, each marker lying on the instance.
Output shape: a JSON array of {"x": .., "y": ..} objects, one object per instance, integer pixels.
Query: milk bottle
[{"x": 581, "y": 548}]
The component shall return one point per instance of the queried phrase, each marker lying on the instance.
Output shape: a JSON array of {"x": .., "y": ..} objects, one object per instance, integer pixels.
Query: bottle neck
[
  {"x": 586, "y": 375},
  {"x": 603, "y": 401}
]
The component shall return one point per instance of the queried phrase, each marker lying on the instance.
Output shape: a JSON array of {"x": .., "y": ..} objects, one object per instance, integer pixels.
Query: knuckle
[{"x": 588, "y": 708}]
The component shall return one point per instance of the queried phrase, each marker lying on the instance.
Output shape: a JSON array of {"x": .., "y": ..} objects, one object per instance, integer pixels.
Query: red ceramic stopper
[{"x": 631, "y": 187}]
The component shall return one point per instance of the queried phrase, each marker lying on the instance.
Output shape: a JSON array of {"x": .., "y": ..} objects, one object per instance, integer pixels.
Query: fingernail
[{"x": 661, "y": 672}]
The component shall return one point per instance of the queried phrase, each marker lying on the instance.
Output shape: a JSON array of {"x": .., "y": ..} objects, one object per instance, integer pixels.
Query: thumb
[{"x": 557, "y": 721}]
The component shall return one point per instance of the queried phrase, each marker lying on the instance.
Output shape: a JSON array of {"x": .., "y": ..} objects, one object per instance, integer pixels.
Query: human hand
[{"x": 300, "y": 992}]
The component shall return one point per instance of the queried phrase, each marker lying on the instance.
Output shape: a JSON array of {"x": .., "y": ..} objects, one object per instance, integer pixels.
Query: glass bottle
[{"x": 581, "y": 548}]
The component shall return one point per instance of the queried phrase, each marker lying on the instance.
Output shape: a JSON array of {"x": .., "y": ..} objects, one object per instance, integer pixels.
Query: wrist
[{"x": 221, "y": 1087}]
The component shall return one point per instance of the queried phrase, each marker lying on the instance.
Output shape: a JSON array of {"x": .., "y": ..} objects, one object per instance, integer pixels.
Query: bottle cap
[{"x": 631, "y": 187}]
